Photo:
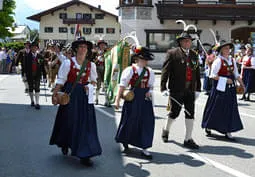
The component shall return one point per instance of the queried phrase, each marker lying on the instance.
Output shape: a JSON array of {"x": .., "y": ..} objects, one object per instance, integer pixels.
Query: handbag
[
  {"x": 128, "y": 94},
  {"x": 63, "y": 98}
]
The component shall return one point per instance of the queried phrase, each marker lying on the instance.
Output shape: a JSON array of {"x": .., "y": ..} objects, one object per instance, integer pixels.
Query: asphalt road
[{"x": 25, "y": 149}]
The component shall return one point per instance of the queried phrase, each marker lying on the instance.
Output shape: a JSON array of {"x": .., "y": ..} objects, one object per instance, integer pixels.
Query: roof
[
  {"x": 37, "y": 17},
  {"x": 18, "y": 30}
]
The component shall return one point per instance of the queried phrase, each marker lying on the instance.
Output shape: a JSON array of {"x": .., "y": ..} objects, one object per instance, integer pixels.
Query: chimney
[{"x": 99, "y": 6}]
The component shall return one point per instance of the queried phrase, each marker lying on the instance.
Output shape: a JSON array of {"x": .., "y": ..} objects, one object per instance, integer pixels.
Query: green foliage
[
  {"x": 34, "y": 35},
  {"x": 13, "y": 45},
  {"x": 6, "y": 17}
]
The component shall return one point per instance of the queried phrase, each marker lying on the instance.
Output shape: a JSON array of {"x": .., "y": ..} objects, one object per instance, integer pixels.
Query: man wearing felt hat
[
  {"x": 181, "y": 71},
  {"x": 99, "y": 60},
  {"x": 21, "y": 57},
  {"x": 34, "y": 69},
  {"x": 137, "y": 120}
]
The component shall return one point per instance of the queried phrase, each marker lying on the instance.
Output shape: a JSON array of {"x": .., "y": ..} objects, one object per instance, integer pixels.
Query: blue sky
[{"x": 25, "y": 8}]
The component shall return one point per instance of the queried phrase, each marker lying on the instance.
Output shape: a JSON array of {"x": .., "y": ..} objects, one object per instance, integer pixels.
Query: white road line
[
  {"x": 218, "y": 165},
  {"x": 104, "y": 112},
  {"x": 196, "y": 156}
]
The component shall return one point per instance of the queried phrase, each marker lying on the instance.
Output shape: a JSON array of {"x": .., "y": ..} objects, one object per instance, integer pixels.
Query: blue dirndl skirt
[
  {"x": 249, "y": 80},
  {"x": 137, "y": 121},
  {"x": 75, "y": 125},
  {"x": 221, "y": 110}
]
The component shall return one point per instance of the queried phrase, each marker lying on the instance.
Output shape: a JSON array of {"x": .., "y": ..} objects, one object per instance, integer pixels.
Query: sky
[{"x": 25, "y": 8}]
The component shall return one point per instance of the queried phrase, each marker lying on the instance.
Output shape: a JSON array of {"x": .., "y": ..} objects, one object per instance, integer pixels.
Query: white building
[
  {"x": 155, "y": 21},
  {"x": 20, "y": 33},
  {"x": 58, "y": 23}
]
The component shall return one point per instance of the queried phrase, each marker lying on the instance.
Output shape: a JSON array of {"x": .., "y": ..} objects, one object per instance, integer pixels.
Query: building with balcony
[
  {"x": 58, "y": 23},
  {"x": 155, "y": 21}
]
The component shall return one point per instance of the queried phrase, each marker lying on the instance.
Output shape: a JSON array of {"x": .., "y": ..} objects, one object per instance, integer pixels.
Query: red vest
[
  {"x": 74, "y": 72},
  {"x": 144, "y": 82},
  {"x": 188, "y": 71},
  {"x": 34, "y": 64},
  {"x": 226, "y": 70},
  {"x": 248, "y": 62}
]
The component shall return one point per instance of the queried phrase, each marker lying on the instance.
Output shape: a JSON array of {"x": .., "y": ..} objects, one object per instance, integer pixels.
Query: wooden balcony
[
  {"x": 132, "y": 3},
  {"x": 79, "y": 21},
  {"x": 205, "y": 10}
]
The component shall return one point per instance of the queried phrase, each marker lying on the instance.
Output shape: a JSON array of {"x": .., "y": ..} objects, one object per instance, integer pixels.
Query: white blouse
[
  {"x": 217, "y": 65},
  {"x": 65, "y": 68},
  {"x": 128, "y": 73},
  {"x": 246, "y": 58}
]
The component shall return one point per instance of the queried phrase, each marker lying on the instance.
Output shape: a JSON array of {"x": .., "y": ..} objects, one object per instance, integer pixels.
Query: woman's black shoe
[
  {"x": 146, "y": 155},
  {"x": 32, "y": 104},
  {"x": 87, "y": 162},
  {"x": 208, "y": 132},
  {"x": 64, "y": 150},
  {"x": 229, "y": 137}
]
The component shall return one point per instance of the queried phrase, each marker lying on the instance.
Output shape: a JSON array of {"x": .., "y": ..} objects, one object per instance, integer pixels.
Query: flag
[
  {"x": 77, "y": 31},
  {"x": 116, "y": 60}
]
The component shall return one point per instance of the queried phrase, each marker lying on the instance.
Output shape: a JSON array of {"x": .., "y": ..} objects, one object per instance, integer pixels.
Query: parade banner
[{"x": 116, "y": 60}]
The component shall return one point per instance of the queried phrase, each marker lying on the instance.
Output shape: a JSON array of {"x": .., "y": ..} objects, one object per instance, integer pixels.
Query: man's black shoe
[
  {"x": 86, "y": 161},
  {"x": 37, "y": 106},
  {"x": 190, "y": 144},
  {"x": 32, "y": 104}
]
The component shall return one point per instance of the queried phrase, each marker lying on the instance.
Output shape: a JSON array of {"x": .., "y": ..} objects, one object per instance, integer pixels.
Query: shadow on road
[{"x": 163, "y": 158}]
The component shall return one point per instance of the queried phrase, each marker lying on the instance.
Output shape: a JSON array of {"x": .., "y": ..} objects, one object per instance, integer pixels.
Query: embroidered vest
[
  {"x": 144, "y": 82},
  {"x": 225, "y": 69},
  {"x": 74, "y": 72}
]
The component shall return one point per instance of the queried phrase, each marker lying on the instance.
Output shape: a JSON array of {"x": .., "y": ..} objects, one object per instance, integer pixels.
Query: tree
[{"x": 6, "y": 18}]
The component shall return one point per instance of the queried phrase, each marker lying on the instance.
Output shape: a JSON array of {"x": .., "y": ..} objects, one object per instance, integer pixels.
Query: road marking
[
  {"x": 104, "y": 112},
  {"x": 218, "y": 165},
  {"x": 195, "y": 155}
]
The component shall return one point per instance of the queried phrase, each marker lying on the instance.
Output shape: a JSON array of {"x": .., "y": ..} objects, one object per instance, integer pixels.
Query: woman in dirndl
[
  {"x": 221, "y": 110},
  {"x": 75, "y": 126},
  {"x": 136, "y": 126},
  {"x": 248, "y": 73}
]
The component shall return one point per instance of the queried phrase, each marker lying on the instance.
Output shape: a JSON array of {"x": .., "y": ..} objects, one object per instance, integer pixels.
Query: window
[
  {"x": 48, "y": 29},
  {"x": 110, "y": 30},
  {"x": 87, "y": 16},
  {"x": 86, "y": 30},
  {"x": 78, "y": 15},
  {"x": 99, "y": 16},
  {"x": 63, "y": 30},
  {"x": 72, "y": 30},
  {"x": 63, "y": 15},
  {"x": 99, "y": 30},
  {"x": 162, "y": 40}
]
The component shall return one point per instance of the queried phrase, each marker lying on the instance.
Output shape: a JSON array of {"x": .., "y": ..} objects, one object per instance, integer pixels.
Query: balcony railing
[
  {"x": 78, "y": 21},
  {"x": 205, "y": 10},
  {"x": 143, "y": 3}
]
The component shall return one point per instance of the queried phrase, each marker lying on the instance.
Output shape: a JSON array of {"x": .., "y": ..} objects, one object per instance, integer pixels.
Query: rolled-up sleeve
[
  {"x": 215, "y": 68},
  {"x": 126, "y": 76},
  {"x": 63, "y": 72},
  {"x": 151, "y": 80},
  {"x": 93, "y": 72},
  {"x": 253, "y": 63}
]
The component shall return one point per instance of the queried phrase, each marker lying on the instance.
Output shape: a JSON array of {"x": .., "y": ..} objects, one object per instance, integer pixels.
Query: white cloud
[{"x": 108, "y": 5}]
